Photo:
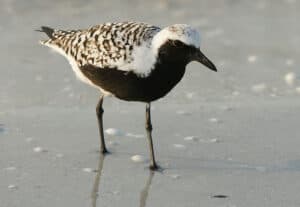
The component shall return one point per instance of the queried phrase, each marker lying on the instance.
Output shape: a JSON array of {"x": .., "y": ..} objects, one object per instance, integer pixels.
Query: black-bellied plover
[{"x": 129, "y": 60}]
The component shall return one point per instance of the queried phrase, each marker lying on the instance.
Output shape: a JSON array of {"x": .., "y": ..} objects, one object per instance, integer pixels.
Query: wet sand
[{"x": 223, "y": 139}]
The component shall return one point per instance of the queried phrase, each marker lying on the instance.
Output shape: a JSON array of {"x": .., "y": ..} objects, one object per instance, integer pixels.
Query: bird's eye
[
  {"x": 178, "y": 43},
  {"x": 193, "y": 49}
]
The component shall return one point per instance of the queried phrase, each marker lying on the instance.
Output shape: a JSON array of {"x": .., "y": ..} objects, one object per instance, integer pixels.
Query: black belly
[{"x": 130, "y": 87}]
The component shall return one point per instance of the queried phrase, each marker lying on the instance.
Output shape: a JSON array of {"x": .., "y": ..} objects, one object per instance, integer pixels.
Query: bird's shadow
[
  {"x": 145, "y": 191},
  {"x": 95, "y": 189},
  {"x": 96, "y": 186},
  {"x": 2, "y": 130}
]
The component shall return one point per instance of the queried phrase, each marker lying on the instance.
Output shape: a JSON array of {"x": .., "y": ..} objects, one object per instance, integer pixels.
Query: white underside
[{"x": 76, "y": 69}]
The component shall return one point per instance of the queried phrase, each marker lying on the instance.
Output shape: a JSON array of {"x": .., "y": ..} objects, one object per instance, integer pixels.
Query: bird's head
[{"x": 180, "y": 43}]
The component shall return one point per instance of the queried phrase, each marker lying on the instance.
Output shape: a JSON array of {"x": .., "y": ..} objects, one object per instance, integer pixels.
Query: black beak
[{"x": 200, "y": 57}]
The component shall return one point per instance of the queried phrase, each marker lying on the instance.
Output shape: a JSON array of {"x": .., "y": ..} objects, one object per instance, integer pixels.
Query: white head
[
  {"x": 182, "y": 32},
  {"x": 189, "y": 49},
  {"x": 167, "y": 39}
]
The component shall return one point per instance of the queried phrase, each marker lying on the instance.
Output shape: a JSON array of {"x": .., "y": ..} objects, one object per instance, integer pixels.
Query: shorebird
[{"x": 129, "y": 60}]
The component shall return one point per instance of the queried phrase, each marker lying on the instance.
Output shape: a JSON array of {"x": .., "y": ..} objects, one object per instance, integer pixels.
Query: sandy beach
[{"x": 226, "y": 139}]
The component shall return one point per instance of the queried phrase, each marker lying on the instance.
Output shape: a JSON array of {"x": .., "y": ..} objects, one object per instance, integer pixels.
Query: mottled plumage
[
  {"x": 132, "y": 61},
  {"x": 107, "y": 45}
]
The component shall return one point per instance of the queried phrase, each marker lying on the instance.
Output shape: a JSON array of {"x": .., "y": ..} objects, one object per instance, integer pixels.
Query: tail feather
[{"x": 48, "y": 30}]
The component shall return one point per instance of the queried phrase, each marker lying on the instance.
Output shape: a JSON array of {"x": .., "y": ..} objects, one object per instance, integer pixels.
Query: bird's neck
[
  {"x": 172, "y": 55},
  {"x": 171, "y": 64},
  {"x": 172, "y": 69}
]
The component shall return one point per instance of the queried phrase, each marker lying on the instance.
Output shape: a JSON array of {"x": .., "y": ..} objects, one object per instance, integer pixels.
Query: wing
[{"x": 110, "y": 45}]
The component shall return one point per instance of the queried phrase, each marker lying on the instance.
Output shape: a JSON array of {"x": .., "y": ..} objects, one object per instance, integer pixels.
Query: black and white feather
[
  {"x": 126, "y": 46},
  {"x": 132, "y": 61}
]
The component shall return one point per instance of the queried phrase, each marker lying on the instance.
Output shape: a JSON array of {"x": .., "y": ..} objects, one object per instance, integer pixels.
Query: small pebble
[
  {"x": 214, "y": 140},
  {"x": 135, "y": 135},
  {"x": 113, "y": 143},
  {"x": 175, "y": 176},
  {"x": 214, "y": 120},
  {"x": 190, "y": 138},
  {"x": 190, "y": 95},
  {"x": 258, "y": 88},
  {"x": 12, "y": 187},
  {"x": 181, "y": 112},
  {"x": 138, "y": 158},
  {"x": 290, "y": 78},
  {"x": 39, "y": 149},
  {"x": 114, "y": 132},
  {"x": 87, "y": 170},
  {"x": 252, "y": 58},
  {"x": 179, "y": 146}
]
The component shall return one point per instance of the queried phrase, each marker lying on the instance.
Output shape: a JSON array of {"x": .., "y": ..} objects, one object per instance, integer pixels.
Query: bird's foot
[
  {"x": 104, "y": 151},
  {"x": 155, "y": 168}
]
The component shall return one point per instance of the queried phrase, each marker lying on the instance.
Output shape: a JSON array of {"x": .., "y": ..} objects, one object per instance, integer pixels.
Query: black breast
[{"x": 128, "y": 86}]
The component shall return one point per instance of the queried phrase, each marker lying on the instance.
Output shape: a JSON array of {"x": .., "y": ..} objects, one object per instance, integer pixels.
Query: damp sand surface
[{"x": 226, "y": 139}]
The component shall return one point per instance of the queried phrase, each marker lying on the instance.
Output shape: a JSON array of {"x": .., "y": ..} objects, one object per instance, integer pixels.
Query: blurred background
[
  {"x": 244, "y": 120},
  {"x": 252, "y": 43}
]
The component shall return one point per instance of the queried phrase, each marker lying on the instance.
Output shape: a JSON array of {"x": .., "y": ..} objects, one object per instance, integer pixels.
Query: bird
[{"x": 132, "y": 61}]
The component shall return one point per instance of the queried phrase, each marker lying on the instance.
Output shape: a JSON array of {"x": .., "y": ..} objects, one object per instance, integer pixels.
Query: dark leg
[
  {"x": 99, "y": 112},
  {"x": 153, "y": 165}
]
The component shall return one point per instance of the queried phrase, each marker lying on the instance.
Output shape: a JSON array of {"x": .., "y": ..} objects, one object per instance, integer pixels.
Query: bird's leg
[
  {"x": 99, "y": 112},
  {"x": 153, "y": 165}
]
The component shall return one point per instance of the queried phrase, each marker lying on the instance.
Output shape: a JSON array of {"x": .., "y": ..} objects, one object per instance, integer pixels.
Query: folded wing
[{"x": 110, "y": 45}]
